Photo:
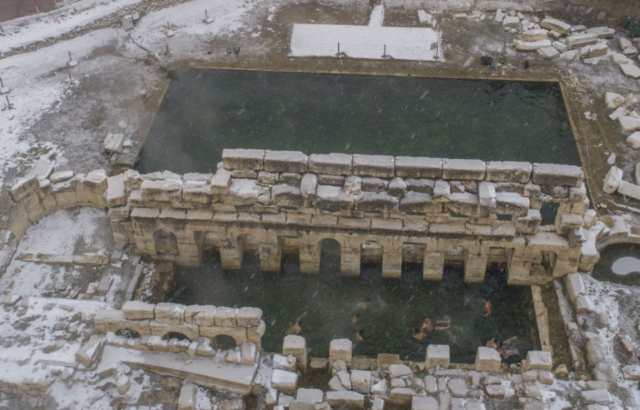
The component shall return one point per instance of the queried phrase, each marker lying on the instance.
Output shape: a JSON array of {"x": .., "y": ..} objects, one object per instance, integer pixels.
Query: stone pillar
[
  {"x": 438, "y": 355},
  {"x": 391, "y": 263},
  {"x": 488, "y": 360},
  {"x": 340, "y": 349},
  {"x": 433, "y": 266},
  {"x": 189, "y": 252},
  {"x": 309, "y": 258},
  {"x": 475, "y": 266},
  {"x": 231, "y": 253},
  {"x": 350, "y": 261},
  {"x": 271, "y": 254},
  {"x": 296, "y": 346}
]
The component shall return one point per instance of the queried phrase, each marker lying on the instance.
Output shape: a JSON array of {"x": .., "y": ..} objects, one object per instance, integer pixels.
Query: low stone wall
[{"x": 193, "y": 322}]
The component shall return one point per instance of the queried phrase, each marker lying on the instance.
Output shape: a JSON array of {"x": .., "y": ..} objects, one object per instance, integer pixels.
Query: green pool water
[
  {"x": 397, "y": 306},
  {"x": 206, "y": 111}
]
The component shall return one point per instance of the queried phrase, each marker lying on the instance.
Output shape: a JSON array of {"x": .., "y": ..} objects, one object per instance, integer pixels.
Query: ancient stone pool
[
  {"x": 397, "y": 306},
  {"x": 619, "y": 263},
  {"x": 206, "y": 111}
]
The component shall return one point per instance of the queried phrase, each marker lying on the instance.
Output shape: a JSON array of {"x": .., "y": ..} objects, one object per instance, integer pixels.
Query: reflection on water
[
  {"x": 626, "y": 265},
  {"x": 206, "y": 111},
  {"x": 397, "y": 307},
  {"x": 619, "y": 264}
]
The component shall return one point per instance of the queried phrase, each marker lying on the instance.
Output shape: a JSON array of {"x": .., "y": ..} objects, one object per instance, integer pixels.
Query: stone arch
[
  {"x": 371, "y": 252},
  {"x": 224, "y": 342},
  {"x": 128, "y": 333},
  {"x": 454, "y": 264},
  {"x": 176, "y": 335},
  {"x": 166, "y": 242},
  {"x": 330, "y": 255}
]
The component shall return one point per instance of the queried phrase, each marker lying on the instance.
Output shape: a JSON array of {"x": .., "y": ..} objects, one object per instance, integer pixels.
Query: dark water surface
[
  {"x": 205, "y": 111},
  {"x": 397, "y": 306},
  {"x": 619, "y": 264}
]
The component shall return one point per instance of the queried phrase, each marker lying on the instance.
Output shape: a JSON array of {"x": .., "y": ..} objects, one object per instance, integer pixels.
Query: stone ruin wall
[
  {"x": 158, "y": 326},
  {"x": 429, "y": 210}
]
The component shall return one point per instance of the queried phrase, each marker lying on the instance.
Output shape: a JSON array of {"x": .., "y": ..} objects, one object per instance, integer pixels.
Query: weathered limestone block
[
  {"x": 187, "y": 399},
  {"x": 249, "y": 316},
  {"x": 297, "y": 347},
  {"x": 330, "y": 164},
  {"x": 332, "y": 180},
  {"x": 202, "y": 316},
  {"x": 633, "y": 141},
  {"x": 197, "y": 192},
  {"x": 535, "y": 34},
  {"x": 487, "y": 194},
  {"x": 239, "y": 334},
  {"x": 161, "y": 191},
  {"x": 290, "y": 178},
  {"x": 307, "y": 399},
  {"x": 249, "y": 353},
  {"x": 226, "y": 317},
  {"x": 441, "y": 191},
  {"x": 333, "y": 197},
  {"x": 116, "y": 194},
  {"x": 424, "y": 403},
  {"x": 381, "y": 166},
  {"x": 463, "y": 169},
  {"x": 551, "y": 174},
  {"x": 438, "y": 355},
  {"x": 575, "y": 286},
  {"x": 23, "y": 187},
  {"x": 374, "y": 184},
  {"x": 539, "y": 360},
  {"x": 340, "y": 349},
  {"x": 399, "y": 370},
  {"x": 361, "y": 381},
  {"x": 523, "y": 45},
  {"x": 464, "y": 203},
  {"x": 169, "y": 313},
  {"x": 629, "y": 123},
  {"x": 284, "y": 381},
  {"x": 397, "y": 187},
  {"x": 509, "y": 171},
  {"x": 374, "y": 201},
  {"x": 510, "y": 22},
  {"x": 191, "y": 332},
  {"x": 528, "y": 224},
  {"x": 246, "y": 192},
  {"x": 401, "y": 395},
  {"x": 512, "y": 203},
  {"x": 91, "y": 351},
  {"x": 417, "y": 202},
  {"x": 631, "y": 372},
  {"x": 555, "y": 25},
  {"x": 352, "y": 185},
  {"x": 308, "y": 186},
  {"x": 630, "y": 70},
  {"x": 221, "y": 182},
  {"x": 423, "y": 186},
  {"x": 287, "y": 195},
  {"x": 345, "y": 399},
  {"x": 136, "y": 310},
  {"x": 107, "y": 320},
  {"x": 487, "y": 360},
  {"x": 629, "y": 190},
  {"x": 247, "y": 159},
  {"x": 61, "y": 176},
  {"x": 418, "y": 167},
  {"x": 601, "y": 396},
  {"x": 594, "y": 50},
  {"x": 286, "y": 161},
  {"x": 580, "y": 40},
  {"x": 255, "y": 333},
  {"x": 601, "y": 32}
]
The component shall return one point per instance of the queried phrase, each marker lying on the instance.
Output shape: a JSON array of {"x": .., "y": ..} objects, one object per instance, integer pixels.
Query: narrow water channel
[{"x": 397, "y": 306}]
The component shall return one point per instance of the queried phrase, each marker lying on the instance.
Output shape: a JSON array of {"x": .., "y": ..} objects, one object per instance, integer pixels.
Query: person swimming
[
  {"x": 487, "y": 306},
  {"x": 360, "y": 335},
  {"x": 365, "y": 305},
  {"x": 427, "y": 326},
  {"x": 509, "y": 347},
  {"x": 493, "y": 343},
  {"x": 355, "y": 319},
  {"x": 419, "y": 335},
  {"x": 297, "y": 327}
]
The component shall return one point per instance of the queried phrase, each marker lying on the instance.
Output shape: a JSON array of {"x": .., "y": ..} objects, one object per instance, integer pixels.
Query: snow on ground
[
  {"x": 402, "y": 43},
  {"x": 59, "y": 234},
  {"x": 55, "y": 24},
  {"x": 34, "y": 90}
]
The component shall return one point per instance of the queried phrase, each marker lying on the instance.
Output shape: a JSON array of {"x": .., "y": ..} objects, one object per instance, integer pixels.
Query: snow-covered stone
[
  {"x": 620, "y": 59},
  {"x": 539, "y": 360},
  {"x": 438, "y": 355},
  {"x": 630, "y": 70},
  {"x": 523, "y": 45},
  {"x": 361, "y": 381},
  {"x": 340, "y": 349},
  {"x": 535, "y": 34},
  {"x": 399, "y": 370},
  {"x": 629, "y": 123},
  {"x": 187, "y": 399},
  {"x": 345, "y": 399},
  {"x": 555, "y": 25},
  {"x": 284, "y": 381},
  {"x": 114, "y": 143},
  {"x": 487, "y": 360},
  {"x": 613, "y": 100},
  {"x": 510, "y": 21},
  {"x": 424, "y": 403}
]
